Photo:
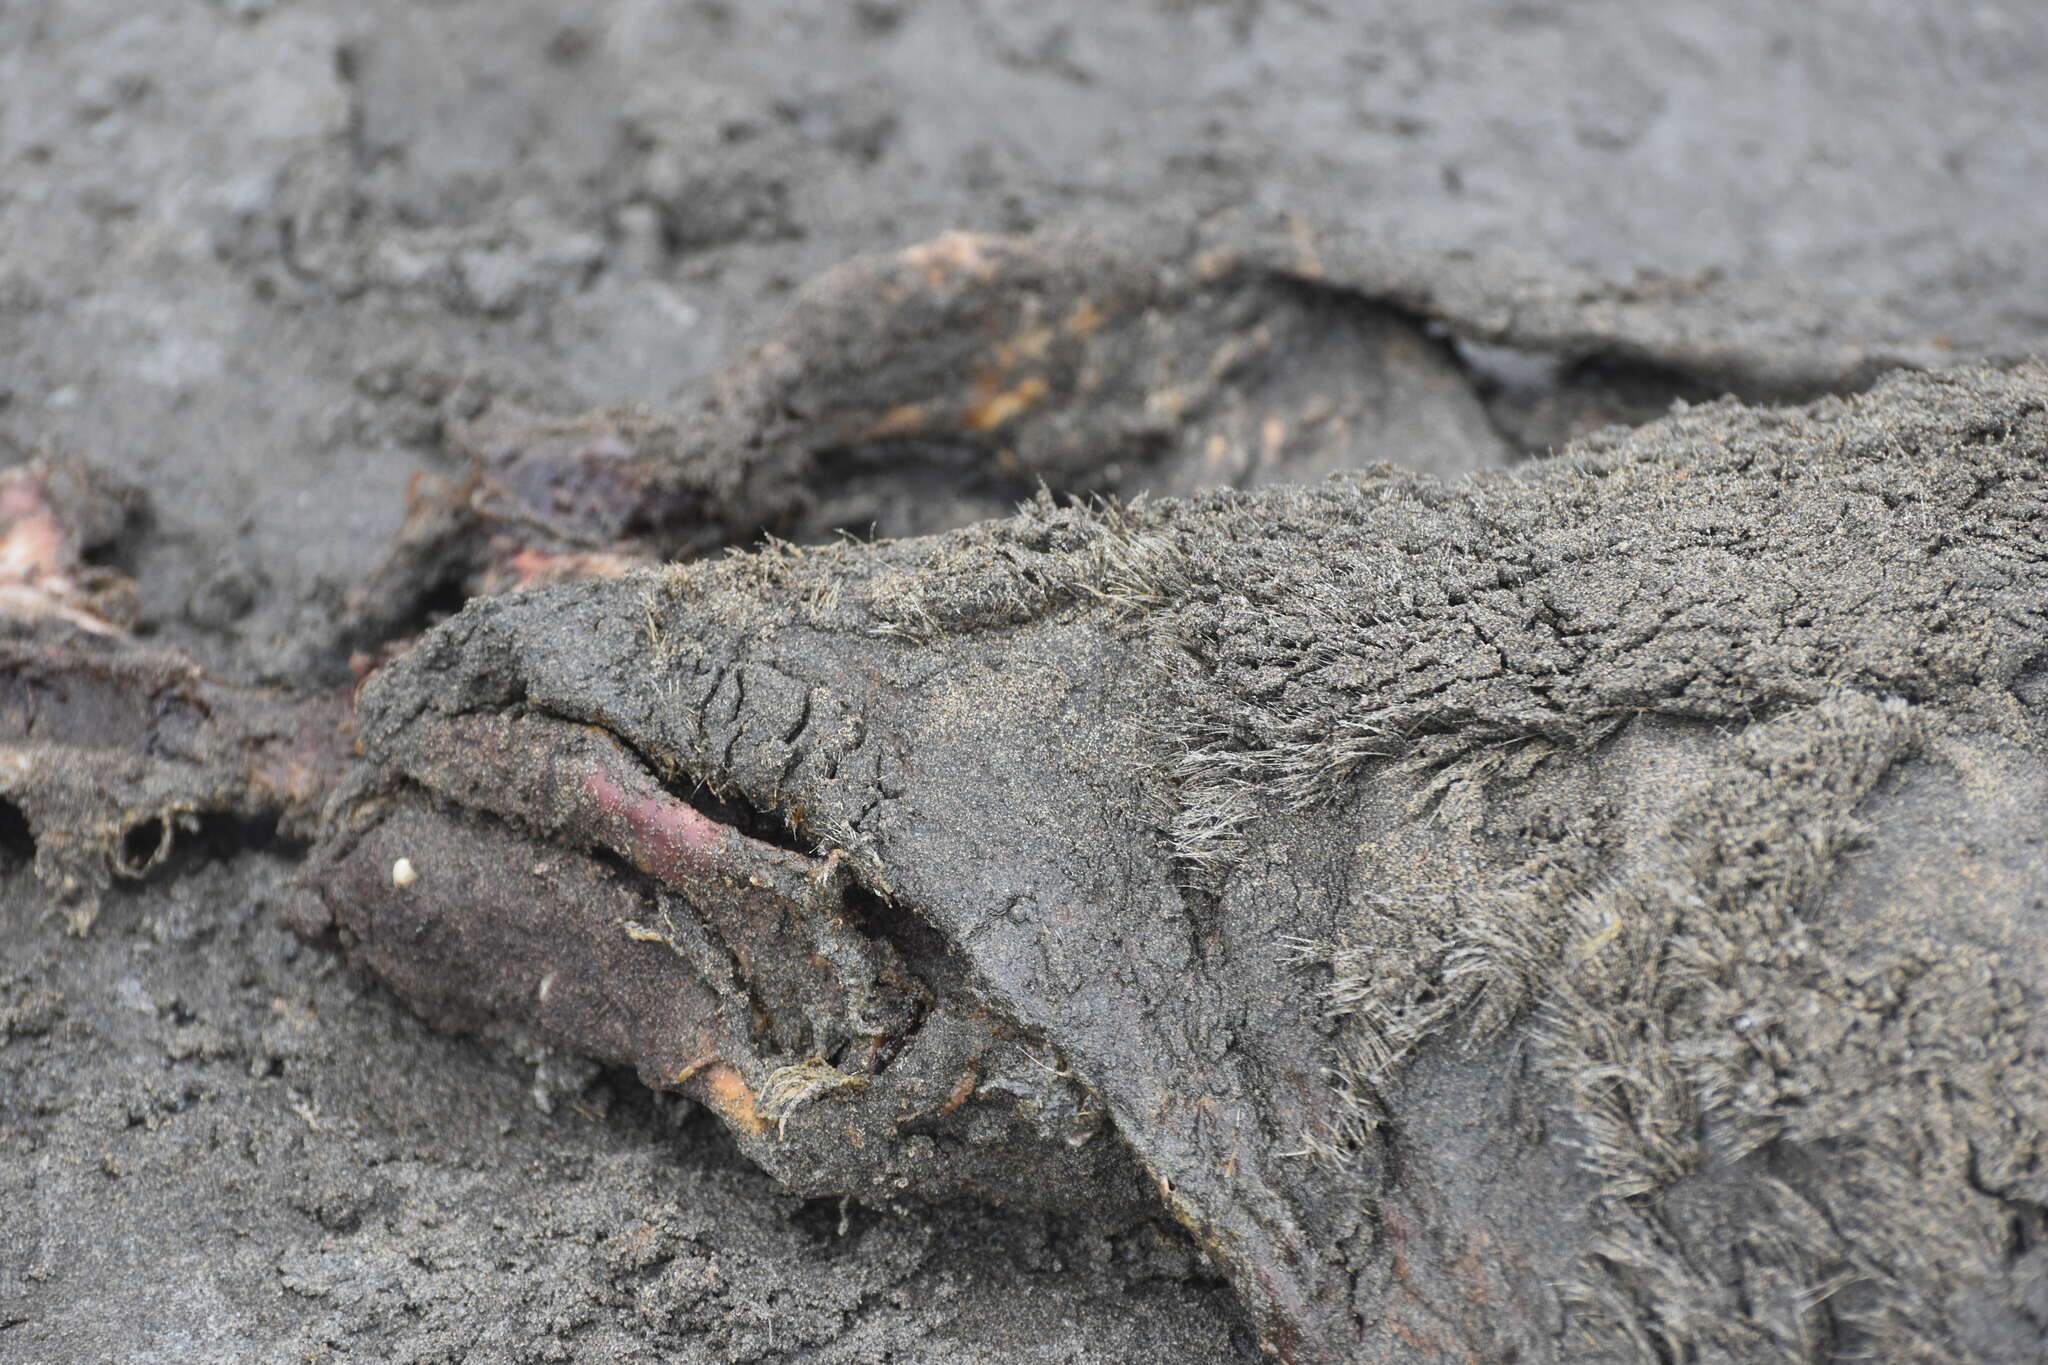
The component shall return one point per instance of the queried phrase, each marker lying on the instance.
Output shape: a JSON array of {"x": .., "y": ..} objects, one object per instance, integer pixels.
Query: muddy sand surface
[{"x": 267, "y": 261}]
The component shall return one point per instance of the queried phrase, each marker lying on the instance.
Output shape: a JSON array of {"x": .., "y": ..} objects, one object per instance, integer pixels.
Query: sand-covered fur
[{"x": 1464, "y": 901}]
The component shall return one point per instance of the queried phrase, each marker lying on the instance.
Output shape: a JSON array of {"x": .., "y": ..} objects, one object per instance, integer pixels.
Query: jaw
[
  {"x": 988, "y": 890},
  {"x": 577, "y": 901}
]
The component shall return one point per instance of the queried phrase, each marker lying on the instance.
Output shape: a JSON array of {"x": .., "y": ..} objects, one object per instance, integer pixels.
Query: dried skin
[
  {"x": 942, "y": 384},
  {"x": 938, "y": 385},
  {"x": 112, "y": 750},
  {"x": 1316, "y": 842},
  {"x": 1448, "y": 897}
]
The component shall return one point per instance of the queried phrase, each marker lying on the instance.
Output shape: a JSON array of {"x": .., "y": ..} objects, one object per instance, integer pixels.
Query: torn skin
[
  {"x": 940, "y": 384},
  {"x": 103, "y": 740},
  {"x": 914, "y": 390}
]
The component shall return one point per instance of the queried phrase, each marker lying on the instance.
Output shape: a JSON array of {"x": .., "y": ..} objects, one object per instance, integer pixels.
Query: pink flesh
[
  {"x": 36, "y": 559},
  {"x": 667, "y": 838},
  {"x": 32, "y": 544}
]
